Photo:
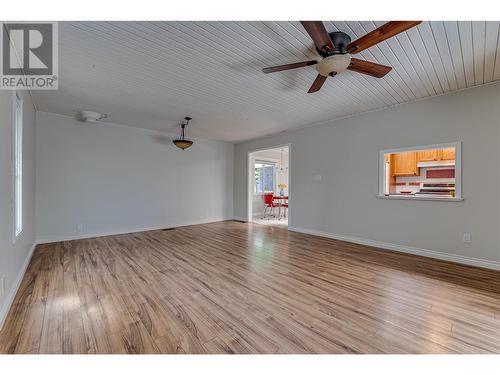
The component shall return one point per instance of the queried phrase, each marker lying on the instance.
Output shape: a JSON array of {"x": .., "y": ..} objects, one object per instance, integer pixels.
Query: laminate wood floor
[{"x": 232, "y": 287}]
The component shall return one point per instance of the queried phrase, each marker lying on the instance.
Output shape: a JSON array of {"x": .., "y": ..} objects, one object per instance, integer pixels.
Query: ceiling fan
[{"x": 336, "y": 49}]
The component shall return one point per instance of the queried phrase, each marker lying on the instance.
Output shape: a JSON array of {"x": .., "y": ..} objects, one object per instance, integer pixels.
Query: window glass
[
  {"x": 18, "y": 166},
  {"x": 264, "y": 177}
]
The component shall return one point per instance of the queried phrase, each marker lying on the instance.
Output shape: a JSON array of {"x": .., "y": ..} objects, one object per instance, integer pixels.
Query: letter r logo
[{"x": 27, "y": 49}]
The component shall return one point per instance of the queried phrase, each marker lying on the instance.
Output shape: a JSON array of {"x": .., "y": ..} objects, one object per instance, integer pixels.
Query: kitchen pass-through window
[{"x": 425, "y": 172}]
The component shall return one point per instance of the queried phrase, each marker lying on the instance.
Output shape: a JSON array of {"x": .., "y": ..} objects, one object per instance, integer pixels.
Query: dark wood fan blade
[
  {"x": 386, "y": 31},
  {"x": 279, "y": 68},
  {"x": 318, "y": 82},
  {"x": 367, "y": 67},
  {"x": 318, "y": 34}
]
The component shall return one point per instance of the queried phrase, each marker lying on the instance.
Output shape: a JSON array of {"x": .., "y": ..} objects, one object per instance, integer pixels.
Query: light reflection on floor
[
  {"x": 271, "y": 221},
  {"x": 262, "y": 253}
]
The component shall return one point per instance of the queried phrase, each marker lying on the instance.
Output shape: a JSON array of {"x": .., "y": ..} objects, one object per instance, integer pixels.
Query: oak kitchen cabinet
[
  {"x": 428, "y": 155},
  {"x": 405, "y": 164},
  {"x": 437, "y": 154},
  {"x": 448, "y": 153}
]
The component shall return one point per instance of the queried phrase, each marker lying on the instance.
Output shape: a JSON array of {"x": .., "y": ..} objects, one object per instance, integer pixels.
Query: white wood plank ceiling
[{"x": 152, "y": 74}]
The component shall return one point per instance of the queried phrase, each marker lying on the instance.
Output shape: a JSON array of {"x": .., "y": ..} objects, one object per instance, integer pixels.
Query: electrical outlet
[
  {"x": 317, "y": 177},
  {"x": 79, "y": 227},
  {"x": 2, "y": 285},
  {"x": 467, "y": 238}
]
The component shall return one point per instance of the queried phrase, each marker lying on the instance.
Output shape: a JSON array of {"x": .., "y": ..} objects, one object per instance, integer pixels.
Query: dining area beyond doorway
[{"x": 269, "y": 172}]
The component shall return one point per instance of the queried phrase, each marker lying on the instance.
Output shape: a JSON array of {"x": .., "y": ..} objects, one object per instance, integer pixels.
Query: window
[
  {"x": 425, "y": 172},
  {"x": 264, "y": 177},
  {"x": 17, "y": 158}
]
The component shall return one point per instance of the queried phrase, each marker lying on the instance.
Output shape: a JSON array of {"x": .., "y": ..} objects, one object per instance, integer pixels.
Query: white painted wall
[
  {"x": 345, "y": 153},
  {"x": 14, "y": 257},
  {"x": 95, "y": 179}
]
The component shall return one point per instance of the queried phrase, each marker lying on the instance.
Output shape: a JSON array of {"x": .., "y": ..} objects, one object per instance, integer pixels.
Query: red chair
[
  {"x": 285, "y": 208},
  {"x": 269, "y": 203}
]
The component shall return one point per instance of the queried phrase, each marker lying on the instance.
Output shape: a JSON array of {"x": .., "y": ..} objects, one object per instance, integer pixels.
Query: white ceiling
[
  {"x": 273, "y": 153},
  {"x": 152, "y": 74}
]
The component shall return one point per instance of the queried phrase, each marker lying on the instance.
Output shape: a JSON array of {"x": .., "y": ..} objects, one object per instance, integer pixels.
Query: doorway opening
[{"x": 269, "y": 186}]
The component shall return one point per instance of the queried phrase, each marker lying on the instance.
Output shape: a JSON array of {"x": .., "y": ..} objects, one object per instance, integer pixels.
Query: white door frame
[{"x": 251, "y": 177}]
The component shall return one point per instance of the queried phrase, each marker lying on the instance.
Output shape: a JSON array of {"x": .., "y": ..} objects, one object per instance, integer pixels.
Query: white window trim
[
  {"x": 257, "y": 161},
  {"x": 458, "y": 172},
  {"x": 17, "y": 173}
]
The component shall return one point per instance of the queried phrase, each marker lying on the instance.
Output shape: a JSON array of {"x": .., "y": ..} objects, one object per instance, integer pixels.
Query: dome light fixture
[
  {"x": 333, "y": 64},
  {"x": 182, "y": 142},
  {"x": 90, "y": 116}
]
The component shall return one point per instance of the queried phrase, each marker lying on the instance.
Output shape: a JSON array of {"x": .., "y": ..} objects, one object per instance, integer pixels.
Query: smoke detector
[{"x": 89, "y": 116}]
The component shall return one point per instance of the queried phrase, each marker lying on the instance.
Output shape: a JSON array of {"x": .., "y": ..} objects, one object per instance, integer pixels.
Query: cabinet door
[
  {"x": 405, "y": 164},
  {"x": 448, "y": 153},
  {"x": 428, "y": 155}
]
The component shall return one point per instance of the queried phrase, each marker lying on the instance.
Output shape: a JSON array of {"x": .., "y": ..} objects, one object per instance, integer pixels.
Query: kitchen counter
[{"x": 424, "y": 197}]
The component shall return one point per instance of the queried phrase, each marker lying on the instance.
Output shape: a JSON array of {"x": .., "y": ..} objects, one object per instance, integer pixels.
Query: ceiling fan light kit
[
  {"x": 336, "y": 49},
  {"x": 182, "y": 142},
  {"x": 333, "y": 64}
]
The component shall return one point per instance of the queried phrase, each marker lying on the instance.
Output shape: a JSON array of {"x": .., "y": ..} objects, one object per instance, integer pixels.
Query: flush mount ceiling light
[
  {"x": 182, "y": 142},
  {"x": 90, "y": 116}
]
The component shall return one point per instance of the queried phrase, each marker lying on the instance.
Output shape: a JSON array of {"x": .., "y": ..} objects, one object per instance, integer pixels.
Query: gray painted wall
[
  {"x": 14, "y": 256},
  {"x": 346, "y": 152},
  {"x": 95, "y": 179}
]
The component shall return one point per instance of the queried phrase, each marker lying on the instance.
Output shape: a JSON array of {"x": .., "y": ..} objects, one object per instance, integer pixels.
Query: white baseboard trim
[
  {"x": 71, "y": 237},
  {"x": 13, "y": 290},
  {"x": 240, "y": 218},
  {"x": 484, "y": 263}
]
